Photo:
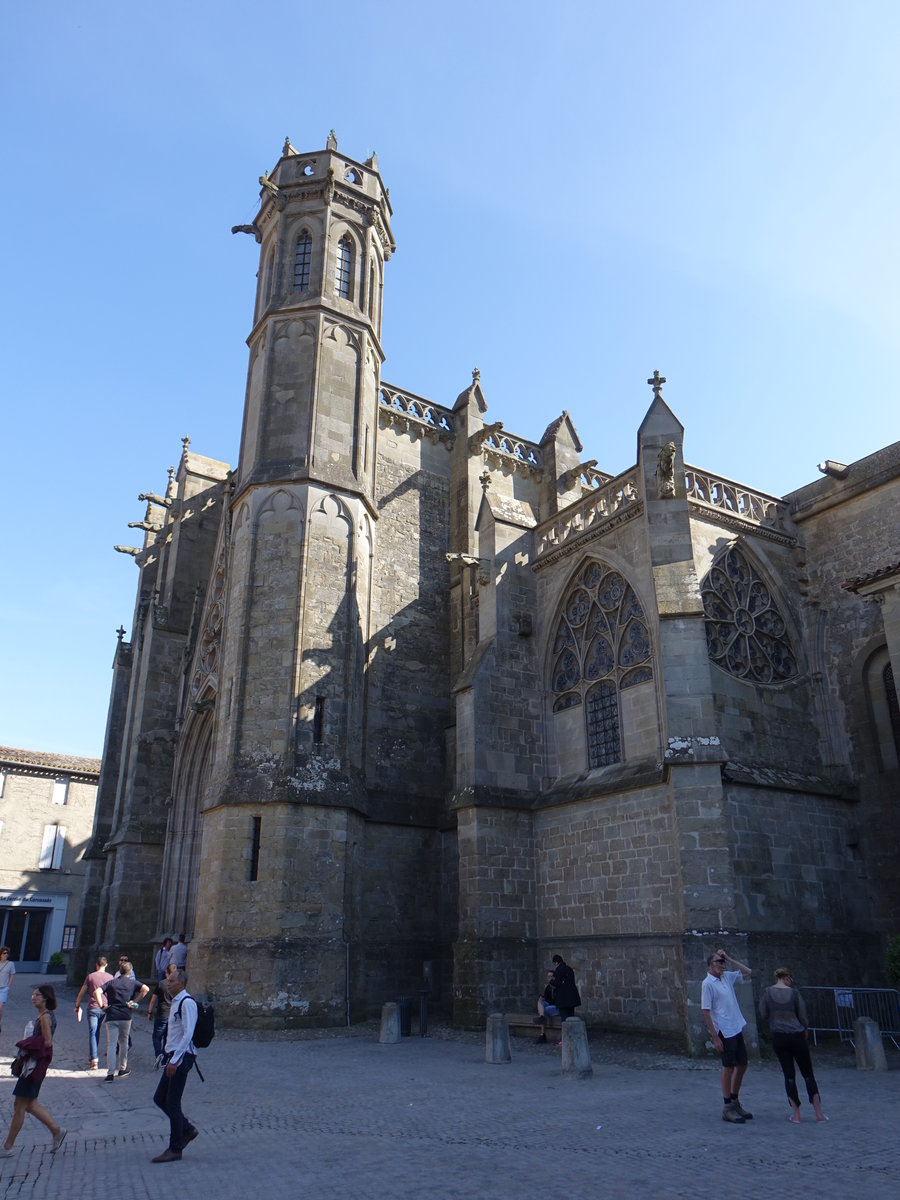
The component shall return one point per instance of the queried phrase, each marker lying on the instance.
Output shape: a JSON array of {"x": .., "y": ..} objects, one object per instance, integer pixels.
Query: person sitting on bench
[{"x": 545, "y": 1006}]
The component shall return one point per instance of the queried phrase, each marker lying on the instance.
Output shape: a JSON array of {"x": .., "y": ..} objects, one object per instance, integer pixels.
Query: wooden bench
[{"x": 525, "y": 1025}]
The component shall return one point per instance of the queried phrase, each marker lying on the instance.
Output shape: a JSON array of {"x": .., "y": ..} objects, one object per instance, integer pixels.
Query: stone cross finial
[
  {"x": 656, "y": 381},
  {"x": 485, "y": 480},
  {"x": 121, "y": 632},
  {"x": 331, "y": 144},
  {"x": 170, "y": 489},
  {"x": 186, "y": 441},
  {"x": 476, "y": 375}
]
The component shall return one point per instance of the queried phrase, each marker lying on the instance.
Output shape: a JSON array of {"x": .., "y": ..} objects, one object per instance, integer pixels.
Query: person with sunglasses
[{"x": 725, "y": 1022}]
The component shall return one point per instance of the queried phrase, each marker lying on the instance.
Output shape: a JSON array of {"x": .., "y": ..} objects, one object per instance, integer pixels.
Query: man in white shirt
[
  {"x": 180, "y": 1054},
  {"x": 725, "y": 1023}
]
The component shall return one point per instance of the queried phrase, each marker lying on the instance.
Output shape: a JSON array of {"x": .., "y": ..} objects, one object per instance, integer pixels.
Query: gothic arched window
[
  {"x": 602, "y": 646},
  {"x": 745, "y": 633},
  {"x": 343, "y": 269},
  {"x": 302, "y": 260}
]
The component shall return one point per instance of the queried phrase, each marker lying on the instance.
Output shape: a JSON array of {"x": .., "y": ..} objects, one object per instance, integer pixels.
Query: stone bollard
[
  {"x": 576, "y": 1057},
  {"x": 496, "y": 1042},
  {"x": 869, "y": 1046},
  {"x": 390, "y": 1024}
]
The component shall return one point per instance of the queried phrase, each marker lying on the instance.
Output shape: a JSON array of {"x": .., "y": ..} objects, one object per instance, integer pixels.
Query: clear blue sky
[{"x": 583, "y": 193}]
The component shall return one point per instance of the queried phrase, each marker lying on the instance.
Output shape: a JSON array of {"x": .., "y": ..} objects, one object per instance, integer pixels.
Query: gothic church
[{"x": 411, "y": 700}]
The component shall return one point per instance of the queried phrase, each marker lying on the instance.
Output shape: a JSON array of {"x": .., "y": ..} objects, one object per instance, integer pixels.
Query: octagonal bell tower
[{"x": 285, "y": 794}]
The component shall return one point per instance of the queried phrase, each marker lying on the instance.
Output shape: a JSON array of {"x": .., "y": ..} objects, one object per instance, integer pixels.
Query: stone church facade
[{"x": 408, "y": 696}]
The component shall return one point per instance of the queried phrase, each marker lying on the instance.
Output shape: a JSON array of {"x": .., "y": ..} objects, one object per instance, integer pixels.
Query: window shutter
[
  {"x": 47, "y": 847},
  {"x": 59, "y": 847}
]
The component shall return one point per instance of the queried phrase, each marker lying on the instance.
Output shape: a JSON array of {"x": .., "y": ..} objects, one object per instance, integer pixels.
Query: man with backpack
[{"x": 180, "y": 1054}]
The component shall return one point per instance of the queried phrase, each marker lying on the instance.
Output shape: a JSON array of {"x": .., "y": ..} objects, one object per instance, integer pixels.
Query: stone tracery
[
  {"x": 745, "y": 633},
  {"x": 602, "y": 645}
]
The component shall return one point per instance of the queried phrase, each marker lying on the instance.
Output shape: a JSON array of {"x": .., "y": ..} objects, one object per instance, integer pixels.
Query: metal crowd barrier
[{"x": 834, "y": 1009}]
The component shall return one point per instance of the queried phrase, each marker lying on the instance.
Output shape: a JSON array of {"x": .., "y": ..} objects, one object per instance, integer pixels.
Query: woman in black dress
[{"x": 38, "y": 1045}]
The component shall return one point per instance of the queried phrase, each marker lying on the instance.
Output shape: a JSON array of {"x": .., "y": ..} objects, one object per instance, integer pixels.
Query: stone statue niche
[{"x": 665, "y": 471}]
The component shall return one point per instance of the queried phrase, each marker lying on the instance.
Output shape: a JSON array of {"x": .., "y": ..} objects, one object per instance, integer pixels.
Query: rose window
[{"x": 745, "y": 633}]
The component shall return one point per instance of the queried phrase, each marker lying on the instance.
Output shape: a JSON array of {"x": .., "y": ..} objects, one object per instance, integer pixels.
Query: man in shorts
[{"x": 725, "y": 1023}]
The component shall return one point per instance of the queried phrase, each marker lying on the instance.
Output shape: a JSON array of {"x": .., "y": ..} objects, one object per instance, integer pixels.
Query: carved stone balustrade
[
  {"x": 614, "y": 502},
  {"x": 736, "y": 506},
  {"x": 507, "y": 452},
  {"x": 414, "y": 415}
]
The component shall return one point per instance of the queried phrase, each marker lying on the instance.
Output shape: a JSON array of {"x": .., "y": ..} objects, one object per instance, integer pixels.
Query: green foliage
[
  {"x": 57, "y": 961},
  {"x": 892, "y": 961}
]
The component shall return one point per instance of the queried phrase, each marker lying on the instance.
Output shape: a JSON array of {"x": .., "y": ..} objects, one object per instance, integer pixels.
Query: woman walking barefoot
[
  {"x": 38, "y": 1045},
  {"x": 788, "y": 1022}
]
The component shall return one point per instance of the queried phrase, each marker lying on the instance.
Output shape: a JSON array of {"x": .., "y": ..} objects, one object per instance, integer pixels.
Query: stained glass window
[
  {"x": 745, "y": 633},
  {"x": 602, "y": 645}
]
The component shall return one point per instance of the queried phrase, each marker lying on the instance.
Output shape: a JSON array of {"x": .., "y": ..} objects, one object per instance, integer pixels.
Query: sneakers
[
  {"x": 109, "y": 1079},
  {"x": 731, "y": 1114},
  {"x": 741, "y": 1111},
  {"x": 4, "y": 1153},
  {"x": 123, "y": 1071},
  {"x": 93, "y": 1064},
  {"x": 168, "y": 1156},
  {"x": 58, "y": 1140}
]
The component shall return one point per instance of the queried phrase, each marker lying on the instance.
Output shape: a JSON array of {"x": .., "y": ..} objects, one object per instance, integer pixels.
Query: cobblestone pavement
[{"x": 340, "y": 1115}]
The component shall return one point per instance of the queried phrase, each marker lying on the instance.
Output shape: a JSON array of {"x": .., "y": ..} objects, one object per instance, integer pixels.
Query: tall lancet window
[
  {"x": 302, "y": 260},
  {"x": 343, "y": 271}
]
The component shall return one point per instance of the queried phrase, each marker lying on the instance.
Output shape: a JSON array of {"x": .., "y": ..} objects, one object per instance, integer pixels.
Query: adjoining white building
[{"x": 47, "y": 804}]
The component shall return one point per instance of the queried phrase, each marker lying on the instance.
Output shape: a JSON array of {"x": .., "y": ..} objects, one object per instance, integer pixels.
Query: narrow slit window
[
  {"x": 302, "y": 260},
  {"x": 343, "y": 271},
  {"x": 255, "y": 838},
  {"x": 318, "y": 720}
]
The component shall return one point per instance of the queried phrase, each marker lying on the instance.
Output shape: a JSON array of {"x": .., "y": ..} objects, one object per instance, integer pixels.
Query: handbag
[{"x": 17, "y": 1065}]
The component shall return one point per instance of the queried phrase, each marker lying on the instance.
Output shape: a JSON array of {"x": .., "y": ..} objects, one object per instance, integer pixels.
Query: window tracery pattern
[
  {"x": 745, "y": 633},
  {"x": 602, "y": 646}
]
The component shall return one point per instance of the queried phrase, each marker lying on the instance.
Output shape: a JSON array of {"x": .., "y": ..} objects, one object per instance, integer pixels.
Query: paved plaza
[{"x": 342, "y": 1116}]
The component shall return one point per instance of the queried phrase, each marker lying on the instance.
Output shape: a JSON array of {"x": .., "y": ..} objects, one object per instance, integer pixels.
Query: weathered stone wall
[
  {"x": 396, "y": 916},
  {"x": 608, "y": 867},
  {"x": 282, "y": 957},
  {"x": 794, "y": 870},
  {"x": 493, "y": 959},
  {"x": 849, "y": 527},
  {"x": 408, "y": 682}
]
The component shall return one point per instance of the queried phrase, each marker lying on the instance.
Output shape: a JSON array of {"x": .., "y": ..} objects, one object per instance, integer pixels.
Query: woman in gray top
[{"x": 785, "y": 1011}]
